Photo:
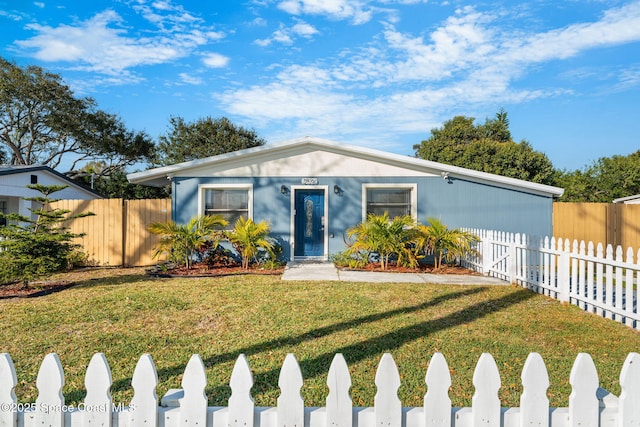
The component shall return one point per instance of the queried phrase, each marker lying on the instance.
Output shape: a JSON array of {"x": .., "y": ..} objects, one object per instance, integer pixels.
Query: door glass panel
[{"x": 308, "y": 208}]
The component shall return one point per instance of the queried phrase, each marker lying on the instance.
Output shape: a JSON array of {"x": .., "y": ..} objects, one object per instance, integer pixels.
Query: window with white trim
[
  {"x": 395, "y": 199},
  {"x": 232, "y": 202}
]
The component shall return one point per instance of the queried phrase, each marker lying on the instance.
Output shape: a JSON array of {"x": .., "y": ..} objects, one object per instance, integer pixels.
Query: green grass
[{"x": 265, "y": 318}]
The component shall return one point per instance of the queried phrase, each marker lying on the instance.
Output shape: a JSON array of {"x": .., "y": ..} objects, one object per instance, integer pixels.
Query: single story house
[
  {"x": 312, "y": 190},
  {"x": 14, "y": 191}
]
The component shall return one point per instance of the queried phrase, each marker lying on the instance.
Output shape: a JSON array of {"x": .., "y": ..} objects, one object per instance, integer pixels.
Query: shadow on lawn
[{"x": 312, "y": 367}]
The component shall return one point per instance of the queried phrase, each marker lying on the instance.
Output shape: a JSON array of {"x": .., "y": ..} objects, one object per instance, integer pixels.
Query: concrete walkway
[{"x": 326, "y": 271}]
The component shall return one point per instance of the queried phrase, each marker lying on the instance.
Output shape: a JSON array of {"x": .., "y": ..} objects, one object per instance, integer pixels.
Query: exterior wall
[{"x": 458, "y": 203}]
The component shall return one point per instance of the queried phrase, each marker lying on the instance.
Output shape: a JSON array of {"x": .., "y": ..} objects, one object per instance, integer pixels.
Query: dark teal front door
[{"x": 309, "y": 223}]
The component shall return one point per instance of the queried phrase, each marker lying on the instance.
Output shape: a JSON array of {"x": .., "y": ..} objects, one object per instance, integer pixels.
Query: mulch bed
[
  {"x": 203, "y": 270},
  {"x": 38, "y": 289},
  {"x": 392, "y": 268}
]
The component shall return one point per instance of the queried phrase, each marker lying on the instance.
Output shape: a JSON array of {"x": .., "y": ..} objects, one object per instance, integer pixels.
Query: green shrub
[
  {"x": 386, "y": 237},
  {"x": 33, "y": 248},
  {"x": 180, "y": 242},
  {"x": 249, "y": 238}
]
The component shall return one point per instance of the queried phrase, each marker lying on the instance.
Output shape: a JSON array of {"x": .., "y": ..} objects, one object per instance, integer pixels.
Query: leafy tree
[
  {"x": 386, "y": 237},
  {"x": 606, "y": 179},
  {"x": 116, "y": 185},
  {"x": 181, "y": 241},
  {"x": 486, "y": 147},
  {"x": 203, "y": 138},
  {"x": 444, "y": 243},
  {"x": 43, "y": 122},
  {"x": 248, "y": 237},
  {"x": 32, "y": 248}
]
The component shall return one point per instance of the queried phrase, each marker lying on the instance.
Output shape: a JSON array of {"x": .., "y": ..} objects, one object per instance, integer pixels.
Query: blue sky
[{"x": 380, "y": 74}]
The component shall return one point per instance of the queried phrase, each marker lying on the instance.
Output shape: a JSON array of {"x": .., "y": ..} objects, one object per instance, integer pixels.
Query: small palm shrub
[
  {"x": 249, "y": 238},
  {"x": 181, "y": 242},
  {"x": 443, "y": 243},
  {"x": 386, "y": 237}
]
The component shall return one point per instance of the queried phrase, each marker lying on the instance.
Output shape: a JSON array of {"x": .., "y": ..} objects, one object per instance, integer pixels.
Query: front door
[{"x": 309, "y": 223}]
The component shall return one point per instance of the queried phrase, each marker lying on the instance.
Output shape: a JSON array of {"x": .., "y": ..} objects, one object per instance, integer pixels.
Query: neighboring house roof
[
  {"x": 635, "y": 199},
  {"x": 62, "y": 179},
  {"x": 257, "y": 155}
]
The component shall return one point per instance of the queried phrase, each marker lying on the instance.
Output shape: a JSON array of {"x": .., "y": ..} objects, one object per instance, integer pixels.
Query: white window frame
[
  {"x": 412, "y": 187},
  {"x": 203, "y": 187}
]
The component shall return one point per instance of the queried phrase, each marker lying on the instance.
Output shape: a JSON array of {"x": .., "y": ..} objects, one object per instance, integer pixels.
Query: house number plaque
[{"x": 309, "y": 181}]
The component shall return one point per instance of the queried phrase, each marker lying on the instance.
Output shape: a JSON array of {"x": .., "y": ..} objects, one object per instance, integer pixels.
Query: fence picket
[
  {"x": 590, "y": 295},
  {"x": 628, "y": 290},
  {"x": 581, "y": 285},
  {"x": 387, "y": 405},
  {"x": 534, "y": 404},
  {"x": 50, "y": 401},
  {"x": 8, "y": 399},
  {"x": 629, "y": 401},
  {"x": 634, "y": 300},
  {"x": 485, "y": 402},
  {"x": 241, "y": 405},
  {"x": 583, "y": 402},
  {"x": 437, "y": 404},
  {"x": 144, "y": 405},
  {"x": 97, "y": 404},
  {"x": 619, "y": 284},
  {"x": 552, "y": 269},
  {"x": 339, "y": 405},
  {"x": 193, "y": 406},
  {"x": 290, "y": 403},
  {"x": 599, "y": 282}
]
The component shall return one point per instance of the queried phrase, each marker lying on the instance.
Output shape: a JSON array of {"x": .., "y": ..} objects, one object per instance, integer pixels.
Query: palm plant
[
  {"x": 248, "y": 237},
  {"x": 444, "y": 243},
  {"x": 181, "y": 241},
  {"x": 384, "y": 236}
]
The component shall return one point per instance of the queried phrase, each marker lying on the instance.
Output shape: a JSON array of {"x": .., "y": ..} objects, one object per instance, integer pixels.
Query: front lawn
[{"x": 126, "y": 316}]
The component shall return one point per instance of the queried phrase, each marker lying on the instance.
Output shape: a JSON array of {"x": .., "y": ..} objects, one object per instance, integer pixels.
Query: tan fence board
[
  {"x": 607, "y": 223},
  {"x": 117, "y": 233}
]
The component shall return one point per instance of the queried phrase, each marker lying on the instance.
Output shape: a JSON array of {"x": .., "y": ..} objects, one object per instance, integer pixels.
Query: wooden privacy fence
[
  {"x": 613, "y": 224},
  {"x": 599, "y": 280},
  {"x": 589, "y": 406},
  {"x": 117, "y": 234}
]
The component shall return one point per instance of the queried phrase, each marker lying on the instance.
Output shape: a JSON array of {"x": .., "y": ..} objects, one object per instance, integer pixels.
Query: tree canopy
[
  {"x": 486, "y": 147},
  {"x": 606, "y": 179},
  {"x": 203, "y": 138},
  {"x": 43, "y": 122}
]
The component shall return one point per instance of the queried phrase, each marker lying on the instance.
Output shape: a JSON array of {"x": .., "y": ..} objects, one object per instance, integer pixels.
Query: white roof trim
[
  {"x": 626, "y": 199},
  {"x": 161, "y": 174}
]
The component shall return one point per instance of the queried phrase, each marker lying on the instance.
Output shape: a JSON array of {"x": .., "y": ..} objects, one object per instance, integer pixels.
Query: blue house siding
[
  {"x": 461, "y": 203},
  {"x": 457, "y": 202}
]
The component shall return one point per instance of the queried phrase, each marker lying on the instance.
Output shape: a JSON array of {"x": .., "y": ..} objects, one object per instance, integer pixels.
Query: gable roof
[
  {"x": 251, "y": 156},
  {"x": 20, "y": 169}
]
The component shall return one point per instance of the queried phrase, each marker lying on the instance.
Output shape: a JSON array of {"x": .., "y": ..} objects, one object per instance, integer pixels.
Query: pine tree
[{"x": 34, "y": 246}]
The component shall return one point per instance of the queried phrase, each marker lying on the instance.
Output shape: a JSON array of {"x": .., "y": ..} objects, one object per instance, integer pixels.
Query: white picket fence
[
  {"x": 597, "y": 280},
  {"x": 588, "y": 405}
]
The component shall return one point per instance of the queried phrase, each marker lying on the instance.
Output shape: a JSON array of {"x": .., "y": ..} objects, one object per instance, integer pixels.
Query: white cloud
[
  {"x": 334, "y": 9},
  {"x": 286, "y": 36},
  {"x": 215, "y": 60},
  {"x": 105, "y": 43},
  {"x": 303, "y": 29},
  {"x": 39, "y": 4},
  {"x": 189, "y": 79}
]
